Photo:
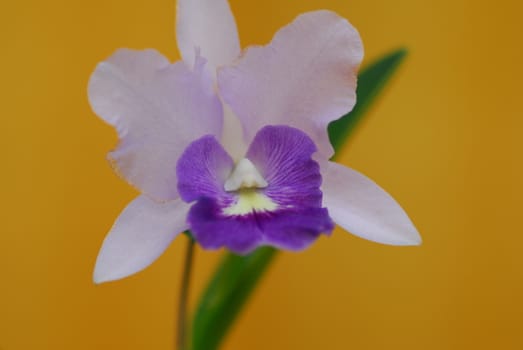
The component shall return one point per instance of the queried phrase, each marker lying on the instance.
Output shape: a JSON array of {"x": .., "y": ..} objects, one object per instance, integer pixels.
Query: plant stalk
[{"x": 181, "y": 342}]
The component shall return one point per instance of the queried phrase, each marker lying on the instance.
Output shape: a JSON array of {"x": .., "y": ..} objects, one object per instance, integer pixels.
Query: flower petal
[
  {"x": 285, "y": 213},
  {"x": 213, "y": 230},
  {"x": 202, "y": 170},
  {"x": 207, "y": 25},
  {"x": 139, "y": 236},
  {"x": 158, "y": 108},
  {"x": 295, "y": 230},
  {"x": 361, "y": 207},
  {"x": 290, "y": 229},
  {"x": 306, "y": 78},
  {"x": 283, "y": 155}
]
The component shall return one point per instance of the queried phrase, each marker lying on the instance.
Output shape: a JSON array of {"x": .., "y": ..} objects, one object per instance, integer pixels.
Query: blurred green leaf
[
  {"x": 236, "y": 276},
  {"x": 371, "y": 82},
  {"x": 225, "y": 295}
]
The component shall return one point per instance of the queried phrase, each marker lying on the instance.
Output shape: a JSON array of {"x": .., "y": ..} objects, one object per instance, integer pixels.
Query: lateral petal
[
  {"x": 139, "y": 236},
  {"x": 361, "y": 207}
]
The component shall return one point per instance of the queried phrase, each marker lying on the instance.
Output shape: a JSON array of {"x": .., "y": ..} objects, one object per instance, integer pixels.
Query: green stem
[{"x": 181, "y": 343}]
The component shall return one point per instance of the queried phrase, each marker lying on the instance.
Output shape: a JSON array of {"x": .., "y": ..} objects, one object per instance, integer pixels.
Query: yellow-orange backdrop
[{"x": 444, "y": 140}]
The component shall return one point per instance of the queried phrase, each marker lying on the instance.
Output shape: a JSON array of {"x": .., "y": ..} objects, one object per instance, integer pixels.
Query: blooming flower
[{"x": 234, "y": 146}]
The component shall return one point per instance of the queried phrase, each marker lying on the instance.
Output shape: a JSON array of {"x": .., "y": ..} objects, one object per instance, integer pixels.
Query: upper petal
[
  {"x": 158, "y": 108},
  {"x": 306, "y": 77},
  {"x": 361, "y": 207},
  {"x": 139, "y": 236},
  {"x": 210, "y": 26}
]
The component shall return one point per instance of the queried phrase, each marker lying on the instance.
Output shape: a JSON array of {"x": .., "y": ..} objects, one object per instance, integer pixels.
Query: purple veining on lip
[
  {"x": 202, "y": 170},
  {"x": 282, "y": 155},
  {"x": 212, "y": 229}
]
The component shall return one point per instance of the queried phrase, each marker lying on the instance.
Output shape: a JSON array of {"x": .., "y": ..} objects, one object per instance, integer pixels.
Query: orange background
[{"x": 445, "y": 140}]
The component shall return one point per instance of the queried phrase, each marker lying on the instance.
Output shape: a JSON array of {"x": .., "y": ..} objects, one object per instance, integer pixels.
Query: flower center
[
  {"x": 245, "y": 180},
  {"x": 244, "y": 176},
  {"x": 250, "y": 200}
]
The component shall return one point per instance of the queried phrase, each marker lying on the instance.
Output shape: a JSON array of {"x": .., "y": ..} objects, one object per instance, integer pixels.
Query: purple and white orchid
[{"x": 233, "y": 145}]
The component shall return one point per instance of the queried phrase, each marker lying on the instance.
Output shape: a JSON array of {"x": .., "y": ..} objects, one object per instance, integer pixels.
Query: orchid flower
[{"x": 233, "y": 145}]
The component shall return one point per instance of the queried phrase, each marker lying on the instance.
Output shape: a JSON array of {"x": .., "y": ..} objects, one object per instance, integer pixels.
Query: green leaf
[
  {"x": 225, "y": 295},
  {"x": 236, "y": 276}
]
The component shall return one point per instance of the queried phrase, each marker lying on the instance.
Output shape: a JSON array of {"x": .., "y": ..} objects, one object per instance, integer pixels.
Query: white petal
[
  {"x": 305, "y": 78},
  {"x": 139, "y": 236},
  {"x": 208, "y": 25},
  {"x": 158, "y": 108},
  {"x": 361, "y": 207}
]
